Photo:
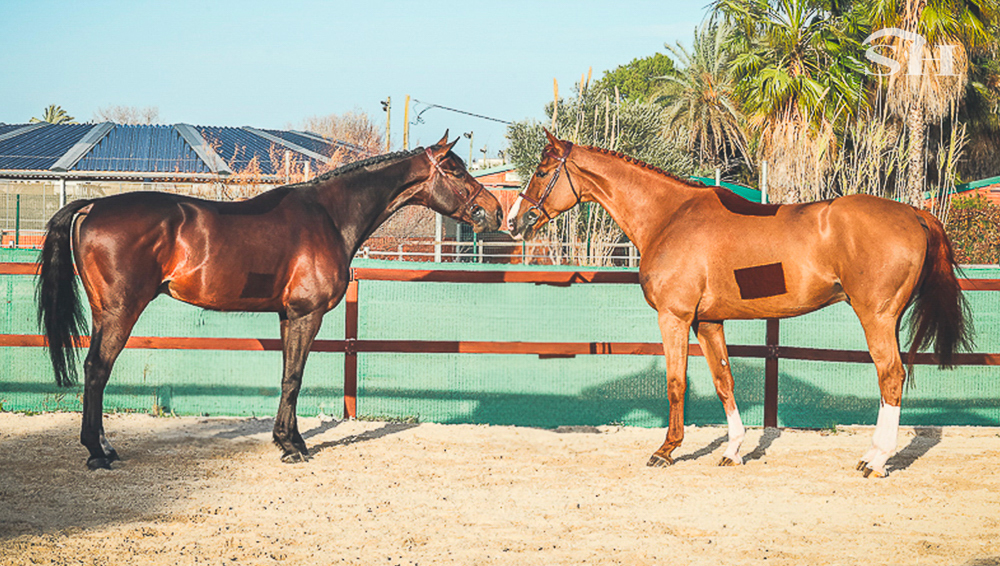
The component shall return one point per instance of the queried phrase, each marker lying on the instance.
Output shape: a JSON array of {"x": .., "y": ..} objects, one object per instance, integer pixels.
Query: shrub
[{"x": 974, "y": 229}]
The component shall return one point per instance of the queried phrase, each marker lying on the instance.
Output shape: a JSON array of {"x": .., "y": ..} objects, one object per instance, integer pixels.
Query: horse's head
[
  {"x": 452, "y": 191},
  {"x": 549, "y": 192}
]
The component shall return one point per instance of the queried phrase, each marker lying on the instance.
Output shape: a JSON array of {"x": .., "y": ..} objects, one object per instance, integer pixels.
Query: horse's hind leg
[
  {"x": 713, "y": 345},
  {"x": 108, "y": 337},
  {"x": 883, "y": 343},
  {"x": 297, "y": 335}
]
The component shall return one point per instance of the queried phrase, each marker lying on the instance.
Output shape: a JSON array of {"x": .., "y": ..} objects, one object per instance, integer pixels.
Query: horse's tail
[
  {"x": 59, "y": 308},
  {"x": 940, "y": 314}
]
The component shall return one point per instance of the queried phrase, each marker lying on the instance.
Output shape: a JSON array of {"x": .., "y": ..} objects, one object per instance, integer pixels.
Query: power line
[{"x": 474, "y": 115}]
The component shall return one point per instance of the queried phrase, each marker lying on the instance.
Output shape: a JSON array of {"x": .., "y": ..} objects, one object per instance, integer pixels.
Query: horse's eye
[{"x": 541, "y": 174}]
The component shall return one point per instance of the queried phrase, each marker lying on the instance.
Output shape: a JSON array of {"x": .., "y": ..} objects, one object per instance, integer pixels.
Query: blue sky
[{"x": 272, "y": 64}]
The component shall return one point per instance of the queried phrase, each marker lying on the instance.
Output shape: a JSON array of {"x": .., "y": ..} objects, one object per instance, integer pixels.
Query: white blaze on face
[{"x": 513, "y": 214}]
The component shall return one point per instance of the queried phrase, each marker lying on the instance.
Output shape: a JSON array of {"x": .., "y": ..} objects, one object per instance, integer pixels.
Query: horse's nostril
[{"x": 478, "y": 214}]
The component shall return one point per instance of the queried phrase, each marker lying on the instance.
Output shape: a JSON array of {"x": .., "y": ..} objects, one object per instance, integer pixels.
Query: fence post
[
  {"x": 17, "y": 222},
  {"x": 771, "y": 375},
  {"x": 350, "y": 351},
  {"x": 438, "y": 236}
]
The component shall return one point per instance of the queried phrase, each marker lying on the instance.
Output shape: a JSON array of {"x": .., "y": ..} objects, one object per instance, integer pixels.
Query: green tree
[
  {"x": 981, "y": 111},
  {"x": 54, "y": 114},
  {"x": 637, "y": 80},
  {"x": 797, "y": 75},
  {"x": 701, "y": 107},
  {"x": 593, "y": 118},
  {"x": 926, "y": 97}
]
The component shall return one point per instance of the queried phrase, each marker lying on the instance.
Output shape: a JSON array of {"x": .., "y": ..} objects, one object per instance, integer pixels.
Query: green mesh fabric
[{"x": 493, "y": 388}]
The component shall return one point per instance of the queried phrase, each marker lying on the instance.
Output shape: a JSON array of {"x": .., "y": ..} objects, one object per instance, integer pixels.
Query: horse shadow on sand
[{"x": 802, "y": 404}]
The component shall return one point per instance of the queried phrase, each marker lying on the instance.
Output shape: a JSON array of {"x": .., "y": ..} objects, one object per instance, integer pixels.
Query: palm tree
[
  {"x": 55, "y": 115},
  {"x": 981, "y": 111},
  {"x": 797, "y": 78},
  {"x": 700, "y": 101},
  {"x": 924, "y": 95}
]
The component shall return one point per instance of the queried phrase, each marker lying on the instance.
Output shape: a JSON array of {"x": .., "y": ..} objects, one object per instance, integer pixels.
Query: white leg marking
[
  {"x": 885, "y": 439},
  {"x": 736, "y": 434},
  {"x": 513, "y": 213},
  {"x": 106, "y": 444}
]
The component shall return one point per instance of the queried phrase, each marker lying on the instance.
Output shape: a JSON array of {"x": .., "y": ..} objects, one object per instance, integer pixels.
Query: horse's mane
[
  {"x": 644, "y": 165},
  {"x": 733, "y": 202},
  {"x": 376, "y": 160}
]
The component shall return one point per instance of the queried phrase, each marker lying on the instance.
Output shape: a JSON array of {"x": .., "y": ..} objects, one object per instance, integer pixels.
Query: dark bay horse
[
  {"x": 709, "y": 255},
  {"x": 286, "y": 251}
]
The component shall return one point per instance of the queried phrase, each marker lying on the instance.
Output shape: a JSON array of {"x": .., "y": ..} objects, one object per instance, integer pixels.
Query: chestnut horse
[
  {"x": 286, "y": 251},
  {"x": 708, "y": 255}
]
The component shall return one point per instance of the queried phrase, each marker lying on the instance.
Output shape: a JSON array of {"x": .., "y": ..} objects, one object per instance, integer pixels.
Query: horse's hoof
[
  {"x": 870, "y": 473},
  {"x": 861, "y": 466},
  {"x": 112, "y": 456},
  {"x": 657, "y": 461},
  {"x": 294, "y": 457},
  {"x": 98, "y": 464},
  {"x": 726, "y": 461}
]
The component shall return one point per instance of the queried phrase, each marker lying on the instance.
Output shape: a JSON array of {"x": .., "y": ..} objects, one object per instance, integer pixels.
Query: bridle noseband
[
  {"x": 537, "y": 204},
  {"x": 472, "y": 194}
]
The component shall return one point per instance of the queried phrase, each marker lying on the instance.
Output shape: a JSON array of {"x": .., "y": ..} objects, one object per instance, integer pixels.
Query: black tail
[
  {"x": 59, "y": 308},
  {"x": 940, "y": 314}
]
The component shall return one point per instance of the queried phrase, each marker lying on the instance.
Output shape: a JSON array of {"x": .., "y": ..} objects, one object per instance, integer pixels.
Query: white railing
[
  {"x": 526, "y": 253},
  {"x": 620, "y": 254}
]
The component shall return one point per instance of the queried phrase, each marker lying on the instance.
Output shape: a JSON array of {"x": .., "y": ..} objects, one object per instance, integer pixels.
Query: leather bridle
[
  {"x": 538, "y": 204},
  {"x": 472, "y": 194}
]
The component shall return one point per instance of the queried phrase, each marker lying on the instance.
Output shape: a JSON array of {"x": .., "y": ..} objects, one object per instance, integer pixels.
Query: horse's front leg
[
  {"x": 675, "y": 349},
  {"x": 713, "y": 345},
  {"x": 297, "y": 335}
]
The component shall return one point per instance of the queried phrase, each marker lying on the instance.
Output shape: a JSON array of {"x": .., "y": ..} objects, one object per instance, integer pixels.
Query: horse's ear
[
  {"x": 442, "y": 147},
  {"x": 556, "y": 143}
]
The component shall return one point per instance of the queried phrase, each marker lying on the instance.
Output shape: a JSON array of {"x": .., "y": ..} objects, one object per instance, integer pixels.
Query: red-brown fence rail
[{"x": 771, "y": 351}]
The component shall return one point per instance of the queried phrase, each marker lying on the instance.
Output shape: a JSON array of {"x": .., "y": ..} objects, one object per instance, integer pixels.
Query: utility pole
[
  {"x": 406, "y": 124},
  {"x": 387, "y": 108},
  {"x": 469, "y": 135}
]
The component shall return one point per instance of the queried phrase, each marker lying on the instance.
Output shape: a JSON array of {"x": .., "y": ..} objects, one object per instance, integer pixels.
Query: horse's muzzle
[
  {"x": 483, "y": 222},
  {"x": 525, "y": 228}
]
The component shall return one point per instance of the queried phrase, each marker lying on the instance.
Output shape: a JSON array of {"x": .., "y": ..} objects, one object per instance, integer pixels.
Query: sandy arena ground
[{"x": 213, "y": 491}]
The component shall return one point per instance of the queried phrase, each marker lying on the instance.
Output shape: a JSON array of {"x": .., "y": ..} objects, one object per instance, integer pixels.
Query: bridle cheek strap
[
  {"x": 537, "y": 204},
  {"x": 472, "y": 194}
]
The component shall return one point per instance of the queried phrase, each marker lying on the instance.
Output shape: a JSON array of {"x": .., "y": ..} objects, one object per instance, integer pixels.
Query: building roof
[
  {"x": 498, "y": 177},
  {"x": 982, "y": 183},
  {"x": 44, "y": 150}
]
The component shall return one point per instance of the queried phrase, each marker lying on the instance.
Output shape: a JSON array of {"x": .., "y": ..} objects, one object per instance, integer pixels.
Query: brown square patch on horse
[
  {"x": 258, "y": 286},
  {"x": 761, "y": 281}
]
